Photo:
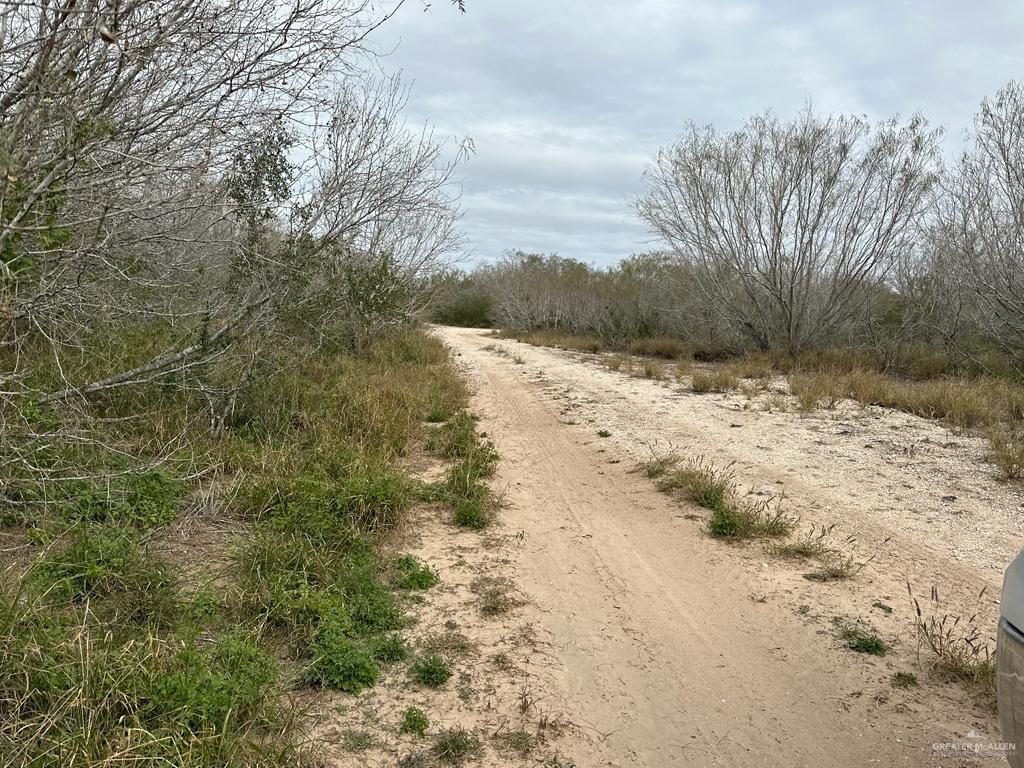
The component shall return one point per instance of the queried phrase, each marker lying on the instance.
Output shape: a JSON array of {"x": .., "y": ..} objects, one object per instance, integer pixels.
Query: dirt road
[{"x": 671, "y": 648}]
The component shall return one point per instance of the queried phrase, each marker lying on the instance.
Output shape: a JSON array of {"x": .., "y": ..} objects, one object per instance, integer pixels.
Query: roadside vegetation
[
  {"x": 192, "y": 653},
  {"x": 211, "y": 373}
]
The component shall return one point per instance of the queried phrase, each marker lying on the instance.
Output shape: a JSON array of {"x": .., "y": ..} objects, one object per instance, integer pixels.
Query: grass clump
[
  {"x": 839, "y": 564},
  {"x": 466, "y": 487},
  {"x": 816, "y": 389},
  {"x": 353, "y": 740},
  {"x": 415, "y": 721},
  {"x": 410, "y": 573},
  {"x": 651, "y": 369},
  {"x": 431, "y": 671},
  {"x": 390, "y": 649},
  {"x": 720, "y": 380},
  {"x": 714, "y": 489},
  {"x": 473, "y": 511},
  {"x": 455, "y": 438},
  {"x": 520, "y": 742},
  {"x": 84, "y": 695},
  {"x": 98, "y": 562},
  {"x": 295, "y": 583},
  {"x": 958, "y": 646},
  {"x": 904, "y": 680},
  {"x": 659, "y": 346},
  {"x": 746, "y": 519},
  {"x": 699, "y": 481},
  {"x": 494, "y": 594},
  {"x": 862, "y": 641},
  {"x": 603, "y": 433},
  {"x": 146, "y": 499},
  {"x": 617, "y": 362},
  {"x": 812, "y": 545},
  {"x": 104, "y": 658},
  {"x": 659, "y": 466},
  {"x": 1006, "y": 451},
  {"x": 563, "y": 341},
  {"x": 456, "y": 745}
]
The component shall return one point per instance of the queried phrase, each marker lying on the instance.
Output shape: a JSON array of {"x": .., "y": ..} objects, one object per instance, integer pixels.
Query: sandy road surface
[{"x": 671, "y": 648}]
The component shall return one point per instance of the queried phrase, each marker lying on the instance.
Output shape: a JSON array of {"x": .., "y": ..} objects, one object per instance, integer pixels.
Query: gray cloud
[{"x": 566, "y": 101}]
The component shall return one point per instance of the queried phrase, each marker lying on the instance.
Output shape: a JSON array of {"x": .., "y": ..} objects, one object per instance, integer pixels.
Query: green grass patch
[
  {"x": 98, "y": 562},
  {"x": 904, "y": 680}
]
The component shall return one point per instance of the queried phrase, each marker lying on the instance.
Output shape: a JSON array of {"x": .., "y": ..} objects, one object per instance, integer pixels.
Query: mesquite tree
[
  {"x": 981, "y": 224},
  {"x": 790, "y": 225}
]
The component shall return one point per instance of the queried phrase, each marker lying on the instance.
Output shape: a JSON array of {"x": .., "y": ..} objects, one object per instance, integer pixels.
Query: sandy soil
[{"x": 659, "y": 646}]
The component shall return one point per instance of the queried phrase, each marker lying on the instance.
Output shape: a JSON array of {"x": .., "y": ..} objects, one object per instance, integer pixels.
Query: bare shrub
[{"x": 734, "y": 207}]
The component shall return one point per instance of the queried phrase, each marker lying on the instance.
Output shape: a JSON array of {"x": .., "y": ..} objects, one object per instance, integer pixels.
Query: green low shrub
[
  {"x": 410, "y": 573},
  {"x": 415, "y": 721},
  {"x": 431, "y": 671},
  {"x": 340, "y": 662}
]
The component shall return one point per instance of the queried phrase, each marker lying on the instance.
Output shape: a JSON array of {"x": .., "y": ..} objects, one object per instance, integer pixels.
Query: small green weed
[
  {"x": 410, "y": 573},
  {"x": 904, "y": 680},
  {"x": 353, "y": 740},
  {"x": 390, "y": 648},
  {"x": 415, "y": 721},
  {"x": 431, "y": 671},
  {"x": 862, "y": 641}
]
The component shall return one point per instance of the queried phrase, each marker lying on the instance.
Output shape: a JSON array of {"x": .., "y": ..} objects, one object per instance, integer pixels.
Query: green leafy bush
[
  {"x": 203, "y": 686},
  {"x": 340, "y": 662},
  {"x": 415, "y": 721},
  {"x": 431, "y": 671}
]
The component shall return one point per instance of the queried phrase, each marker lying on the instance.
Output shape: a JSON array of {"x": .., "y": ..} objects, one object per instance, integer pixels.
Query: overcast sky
[{"x": 567, "y": 100}]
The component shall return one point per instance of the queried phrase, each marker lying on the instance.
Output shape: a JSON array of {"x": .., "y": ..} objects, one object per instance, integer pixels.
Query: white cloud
[{"x": 566, "y": 100}]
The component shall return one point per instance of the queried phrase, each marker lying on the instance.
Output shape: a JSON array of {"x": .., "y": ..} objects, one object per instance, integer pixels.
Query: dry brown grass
[
  {"x": 960, "y": 402},
  {"x": 816, "y": 389},
  {"x": 562, "y": 341},
  {"x": 1007, "y": 451},
  {"x": 650, "y": 369},
  {"x": 659, "y": 346},
  {"x": 717, "y": 380},
  {"x": 618, "y": 362},
  {"x": 958, "y": 645}
]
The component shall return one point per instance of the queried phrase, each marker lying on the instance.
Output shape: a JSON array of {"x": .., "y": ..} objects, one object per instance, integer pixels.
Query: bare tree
[
  {"x": 789, "y": 226},
  {"x": 982, "y": 219},
  {"x": 189, "y": 188}
]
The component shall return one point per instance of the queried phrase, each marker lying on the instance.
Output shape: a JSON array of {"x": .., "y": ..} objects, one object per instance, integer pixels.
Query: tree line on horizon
[{"x": 789, "y": 236}]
